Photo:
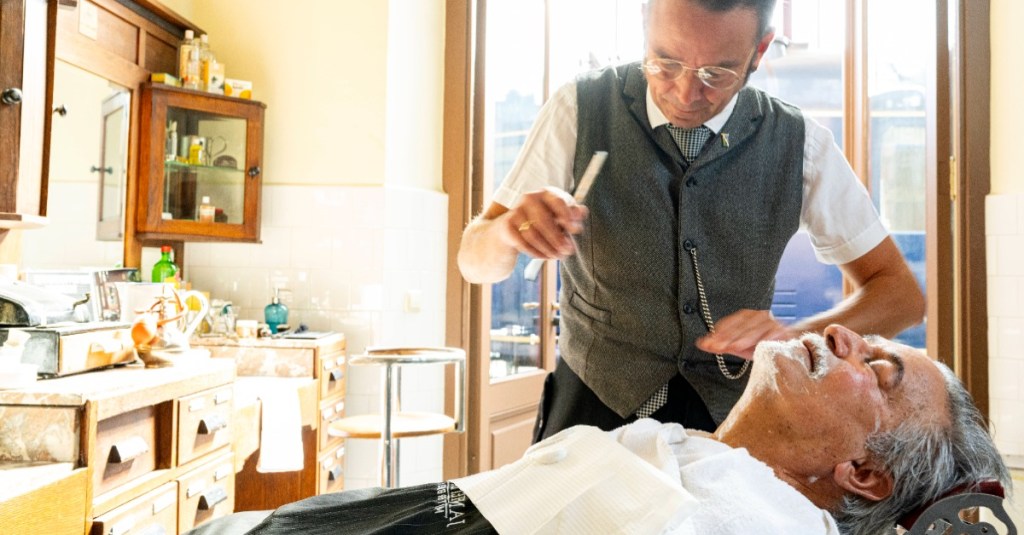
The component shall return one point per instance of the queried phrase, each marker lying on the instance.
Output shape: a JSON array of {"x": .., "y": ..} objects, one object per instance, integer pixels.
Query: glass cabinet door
[
  {"x": 202, "y": 158},
  {"x": 200, "y": 168}
]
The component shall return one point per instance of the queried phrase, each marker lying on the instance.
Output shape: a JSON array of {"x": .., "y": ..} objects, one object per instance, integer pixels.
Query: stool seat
[
  {"x": 403, "y": 425},
  {"x": 393, "y": 423}
]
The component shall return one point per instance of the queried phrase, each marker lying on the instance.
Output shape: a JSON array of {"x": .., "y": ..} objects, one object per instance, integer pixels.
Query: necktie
[{"x": 690, "y": 140}]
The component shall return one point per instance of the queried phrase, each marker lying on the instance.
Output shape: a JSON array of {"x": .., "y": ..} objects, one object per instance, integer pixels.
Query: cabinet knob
[
  {"x": 11, "y": 95},
  {"x": 254, "y": 171}
]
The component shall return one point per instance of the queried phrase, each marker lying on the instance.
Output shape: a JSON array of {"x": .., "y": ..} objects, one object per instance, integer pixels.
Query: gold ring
[{"x": 525, "y": 226}]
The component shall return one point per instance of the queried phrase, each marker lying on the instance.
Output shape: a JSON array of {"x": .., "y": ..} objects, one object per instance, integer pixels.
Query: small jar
[{"x": 246, "y": 328}]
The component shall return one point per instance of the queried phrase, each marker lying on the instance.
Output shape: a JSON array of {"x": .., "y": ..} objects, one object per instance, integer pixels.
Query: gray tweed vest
[{"x": 629, "y": 303}]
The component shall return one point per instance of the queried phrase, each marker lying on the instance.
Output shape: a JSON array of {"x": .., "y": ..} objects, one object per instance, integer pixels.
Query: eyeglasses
[{"x": 668, "y": 70}]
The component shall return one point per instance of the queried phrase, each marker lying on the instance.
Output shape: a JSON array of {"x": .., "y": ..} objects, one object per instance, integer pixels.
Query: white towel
[
  {"x": 280, "y": 430},
  {"x": 739, "y": 494},
  {"x": 581, "y": 481}
]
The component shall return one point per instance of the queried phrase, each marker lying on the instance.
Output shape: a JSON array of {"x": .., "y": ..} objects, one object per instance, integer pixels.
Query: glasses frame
[{"x": 653, "y": 67}]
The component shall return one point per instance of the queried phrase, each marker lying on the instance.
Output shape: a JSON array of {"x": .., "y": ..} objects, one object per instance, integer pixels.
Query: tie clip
[{"x": 725, "y": 140}]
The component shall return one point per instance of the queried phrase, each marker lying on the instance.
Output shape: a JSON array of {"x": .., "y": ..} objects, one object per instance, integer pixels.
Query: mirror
[{"x": 88, "y": 173}]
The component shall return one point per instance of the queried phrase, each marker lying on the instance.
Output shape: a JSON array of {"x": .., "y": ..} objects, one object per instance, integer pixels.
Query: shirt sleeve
[
  {"x": 837, "y": 212},
  {"x": 546, "y": 158}
]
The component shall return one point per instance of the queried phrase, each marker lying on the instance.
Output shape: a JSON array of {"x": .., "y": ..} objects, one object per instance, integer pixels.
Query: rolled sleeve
[{"x": 837, "y": 212}]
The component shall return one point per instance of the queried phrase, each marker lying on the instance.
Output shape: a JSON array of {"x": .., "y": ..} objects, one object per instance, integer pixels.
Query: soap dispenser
[{"x": 276, "y": 313}]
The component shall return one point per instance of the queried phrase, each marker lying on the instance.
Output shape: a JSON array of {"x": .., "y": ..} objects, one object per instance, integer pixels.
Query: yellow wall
[
  {"x": 1007, "y": 17},
  {"x": 352, "y": 87}
]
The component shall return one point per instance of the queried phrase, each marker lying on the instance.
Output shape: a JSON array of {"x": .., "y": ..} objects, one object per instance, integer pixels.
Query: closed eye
[{"x": 889, "y": 370}]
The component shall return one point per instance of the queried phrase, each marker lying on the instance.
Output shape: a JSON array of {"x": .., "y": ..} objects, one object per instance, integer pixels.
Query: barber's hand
[
  {"x": 739, "y": 332},
  {"x": 543, "y": 222}
]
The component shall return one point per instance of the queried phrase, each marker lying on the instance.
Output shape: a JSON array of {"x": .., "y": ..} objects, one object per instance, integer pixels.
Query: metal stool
[{"x": 395, "y": 423}]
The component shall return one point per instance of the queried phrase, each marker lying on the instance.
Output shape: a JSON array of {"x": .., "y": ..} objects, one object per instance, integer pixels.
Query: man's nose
[
  {"x": 843, "y": 342},
  {"x": 689, "y": 88}
]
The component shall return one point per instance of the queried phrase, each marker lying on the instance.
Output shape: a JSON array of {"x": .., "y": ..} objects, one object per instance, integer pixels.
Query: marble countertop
[
  {"x": 121, "y": 389},
  {"x": 265, "y": 341}
]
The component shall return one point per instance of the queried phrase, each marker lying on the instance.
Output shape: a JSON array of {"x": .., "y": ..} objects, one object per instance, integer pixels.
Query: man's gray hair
[{"x": 926, "y": 461}]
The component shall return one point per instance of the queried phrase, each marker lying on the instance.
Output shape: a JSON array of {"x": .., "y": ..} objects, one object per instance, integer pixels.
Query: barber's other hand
[
  {"x": 543, "y": 222},
  {"x": 738, "y": 333}
]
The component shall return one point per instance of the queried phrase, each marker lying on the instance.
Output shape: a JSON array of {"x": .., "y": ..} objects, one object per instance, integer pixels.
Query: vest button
[
  {"x": 688, "y": 308},
  {"x": 687, "y": 245}
]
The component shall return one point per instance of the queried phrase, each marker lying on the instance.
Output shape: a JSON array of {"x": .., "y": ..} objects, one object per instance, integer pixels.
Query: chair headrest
[{"x": 992, "y": 487}]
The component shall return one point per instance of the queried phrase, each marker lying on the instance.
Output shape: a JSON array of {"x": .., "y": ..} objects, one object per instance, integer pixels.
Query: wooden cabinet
[
  {"x": 153, "y": 446},
  {"x": 24, "y": 78},
  {"x": 317, "y": 368},
  {"x": 214, "y": 153}
]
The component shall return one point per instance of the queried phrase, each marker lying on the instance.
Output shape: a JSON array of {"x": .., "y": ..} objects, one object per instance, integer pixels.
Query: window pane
[
  {"x": 898, "y": 57},
  {"x": 514, "y": 94}
]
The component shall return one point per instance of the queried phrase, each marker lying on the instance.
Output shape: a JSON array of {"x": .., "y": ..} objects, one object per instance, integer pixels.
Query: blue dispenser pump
[{"x": 276, "y": 313}]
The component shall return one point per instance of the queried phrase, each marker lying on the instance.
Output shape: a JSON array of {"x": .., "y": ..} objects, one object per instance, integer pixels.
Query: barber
[{"x": 668, "y": 271}]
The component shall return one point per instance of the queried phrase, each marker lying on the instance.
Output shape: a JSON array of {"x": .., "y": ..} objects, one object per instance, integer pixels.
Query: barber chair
[
  {"x": 395, "y": 423},
  {"x": 953, "y": 513}
]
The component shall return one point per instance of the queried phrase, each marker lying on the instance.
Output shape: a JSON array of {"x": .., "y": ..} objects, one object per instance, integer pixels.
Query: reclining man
[{"x": 834, "y": 434}]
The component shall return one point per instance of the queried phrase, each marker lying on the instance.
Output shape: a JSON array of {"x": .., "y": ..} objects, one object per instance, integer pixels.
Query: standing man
[{"x": 668, "y": 271}]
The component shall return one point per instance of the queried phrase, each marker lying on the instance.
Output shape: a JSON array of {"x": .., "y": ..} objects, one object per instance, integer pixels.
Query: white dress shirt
[{"x": 837, "y": 212}]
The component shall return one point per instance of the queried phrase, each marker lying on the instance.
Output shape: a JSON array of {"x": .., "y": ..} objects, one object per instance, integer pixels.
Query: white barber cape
[{"x": 643, "y": 478}]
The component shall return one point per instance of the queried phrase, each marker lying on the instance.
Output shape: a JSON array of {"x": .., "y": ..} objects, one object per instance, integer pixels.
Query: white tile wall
[
  {"x": 348, "y": 257},
  {"x": 1004, "y": 223}
]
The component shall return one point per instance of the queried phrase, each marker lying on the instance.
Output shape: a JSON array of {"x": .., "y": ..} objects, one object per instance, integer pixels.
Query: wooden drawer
[
  {"x": 332, "y": 376},
  {"x": 204, "y": 422},
  {"x": 126, "y": 448},
  {"x": 330, "y": 410},
  {"x": 153, "y": 512},
  {"x": 331, "y": 474},
  {"x": 207, "y": 492}
]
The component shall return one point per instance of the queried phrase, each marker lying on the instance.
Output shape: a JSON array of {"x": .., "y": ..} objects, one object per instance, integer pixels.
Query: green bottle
[{"x": 165, "y": 270}]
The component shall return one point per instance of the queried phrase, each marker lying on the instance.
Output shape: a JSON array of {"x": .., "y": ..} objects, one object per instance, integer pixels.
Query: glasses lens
[
  {"x": 717, "y": 77},
  {"x": 663, "y": 69}
]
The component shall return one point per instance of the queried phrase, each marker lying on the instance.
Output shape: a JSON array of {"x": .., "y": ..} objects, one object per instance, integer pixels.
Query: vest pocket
[{"x": 583, "y": 307}]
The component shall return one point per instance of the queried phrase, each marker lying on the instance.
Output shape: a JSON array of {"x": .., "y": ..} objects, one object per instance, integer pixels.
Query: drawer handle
[
  {"x": 335, "y": 474},
  {"x": 211, "y": 498},
  {"x": 128, "y": 450},
  {"x": 336, "y": 374},
  {"x": 211, "y": 424}
]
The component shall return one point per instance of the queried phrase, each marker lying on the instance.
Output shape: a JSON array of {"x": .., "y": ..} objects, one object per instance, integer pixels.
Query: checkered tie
[
  {"x": 656, "y": 402},
  {"x": 690, "y": 140}
]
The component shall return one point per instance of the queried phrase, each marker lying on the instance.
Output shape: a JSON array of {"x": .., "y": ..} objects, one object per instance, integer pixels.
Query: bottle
[
  {"x": 171, "y": 146},
  {"x": 164, "y": 270},
  {"x": 206, "y": 63},
  {"x": 193, "y": 75},
  {"x": 206, "y": 211},
  {"x": 184, "y": 53},
  {"x": 275, "y": 314}
]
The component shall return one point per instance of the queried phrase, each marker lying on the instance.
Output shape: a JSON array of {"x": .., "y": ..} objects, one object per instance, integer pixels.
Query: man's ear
[{"x": 863, "y": 478}]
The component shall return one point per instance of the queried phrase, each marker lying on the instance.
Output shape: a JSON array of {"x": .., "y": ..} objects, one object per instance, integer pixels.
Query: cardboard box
[
  {"x": 237, "y": 88},
  {"x": 164, "y": 78}
]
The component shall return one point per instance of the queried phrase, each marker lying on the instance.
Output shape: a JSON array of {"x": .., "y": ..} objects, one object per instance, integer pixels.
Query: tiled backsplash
[
  {"x": 365, "y": 261},
  {"x": 1004, "y": 223}
]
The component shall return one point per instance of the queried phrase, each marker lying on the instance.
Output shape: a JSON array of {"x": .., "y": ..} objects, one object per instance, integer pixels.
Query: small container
[
  {"x": 246, "y": 328},
  {"x": 207, "y": 212},
  {"x": 276, "y": 313}
]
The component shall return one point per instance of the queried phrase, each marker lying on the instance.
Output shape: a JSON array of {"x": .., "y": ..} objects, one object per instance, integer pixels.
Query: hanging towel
[{"x": 280, "y": 430}]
